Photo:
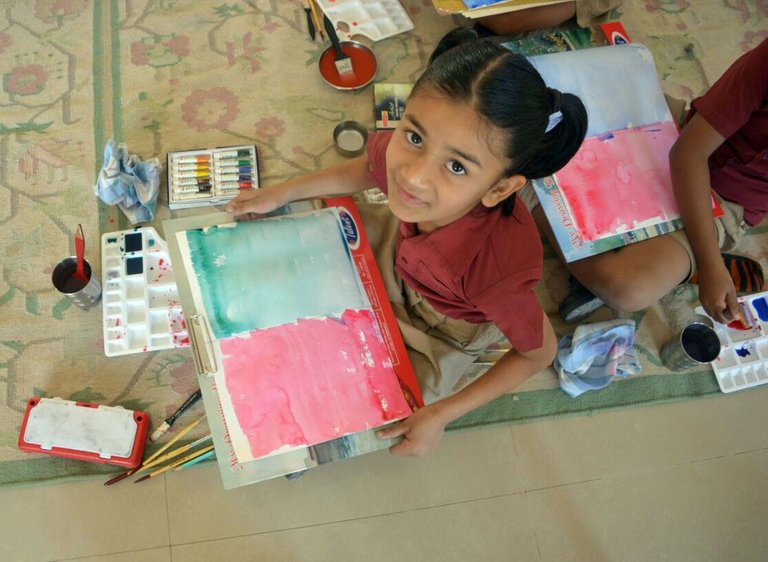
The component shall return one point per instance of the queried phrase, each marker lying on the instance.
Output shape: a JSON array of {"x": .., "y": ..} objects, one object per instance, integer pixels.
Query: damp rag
[
  {"x": 596, "y": 354},
  {"x": 129, "y": 183}
]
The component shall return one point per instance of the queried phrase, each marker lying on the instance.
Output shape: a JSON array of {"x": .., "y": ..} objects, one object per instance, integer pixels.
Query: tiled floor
[{"x": 679, "y": 482}]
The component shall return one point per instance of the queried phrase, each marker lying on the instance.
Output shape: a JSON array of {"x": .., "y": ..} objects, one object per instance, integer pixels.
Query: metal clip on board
[{"x": 201, "y": 346}]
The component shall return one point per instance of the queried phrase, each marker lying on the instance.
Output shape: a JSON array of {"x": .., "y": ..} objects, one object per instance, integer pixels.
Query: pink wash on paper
[
  {"x": 323, "y": 377},
  {"x": 621, "y": 182}
]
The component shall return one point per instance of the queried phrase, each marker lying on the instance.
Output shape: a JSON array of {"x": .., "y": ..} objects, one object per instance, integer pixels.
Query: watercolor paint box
[
  {"x": 140, "y": 302},
  {"x": 743, "y": 359},
  {"x": 211, "y": 176},
  {"x": 84, "y": 431}
]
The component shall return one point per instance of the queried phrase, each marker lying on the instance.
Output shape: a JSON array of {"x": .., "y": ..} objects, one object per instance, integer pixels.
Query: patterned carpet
[{"x": 166, "y": 75}]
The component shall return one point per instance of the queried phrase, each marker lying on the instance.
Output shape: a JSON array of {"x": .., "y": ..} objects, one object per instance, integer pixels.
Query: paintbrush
[
  {"x": 181, "y": 434},
  {"x": 152, "y": 457},
  {"x": 194, "y": 461},
  {"x": 119, "y": 477},
  {"x": 166, "y": 425},
  {"x": 310, "y": 23},
  {"x": 175, "y": 453},
  {"x": 175, "y": 464},
  {"x": 314, "y": 10},
  {"x": 341, "y": 60},
  {"x": 80, "y": 254}
]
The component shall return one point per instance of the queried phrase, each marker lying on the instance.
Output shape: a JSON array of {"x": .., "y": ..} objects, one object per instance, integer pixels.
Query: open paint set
[
  {"x": 375, "y": 19},
  {"x": 141, "y": 307},
  {"x": 743, "y": 359},
  {"x": 211, "y": 176}
]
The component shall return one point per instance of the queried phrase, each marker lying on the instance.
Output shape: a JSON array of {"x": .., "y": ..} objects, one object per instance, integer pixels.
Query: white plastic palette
[
  {"x": 141, "y": 304},
  {"x": 743, "y": 359},
  {"x": 375, "y": 19}
]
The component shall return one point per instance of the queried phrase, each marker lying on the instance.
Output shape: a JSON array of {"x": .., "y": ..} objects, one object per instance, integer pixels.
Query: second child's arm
[
  {"x": 343, "y": 179},
  {"x": 423, "y": 430},
  {"x": 689, "y": 166}
]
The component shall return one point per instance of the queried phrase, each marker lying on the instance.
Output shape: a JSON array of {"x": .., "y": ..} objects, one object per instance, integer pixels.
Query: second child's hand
[{"x": 718, "y": 294}]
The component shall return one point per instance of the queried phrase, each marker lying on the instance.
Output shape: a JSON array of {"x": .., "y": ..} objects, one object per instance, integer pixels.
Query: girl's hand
[
  {"x": 421, "y": 433},
  {"x": 718, "y": 294},
  {"x": 257, "y": 202}
]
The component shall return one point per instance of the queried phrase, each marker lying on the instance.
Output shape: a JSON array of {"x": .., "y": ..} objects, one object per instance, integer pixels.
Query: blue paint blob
[
  {"x": 742, "y": 352},
  {"x": 134, "y": 266},
  {"x": 133, "y": 242},
  {"x": 761, "y": 306}
]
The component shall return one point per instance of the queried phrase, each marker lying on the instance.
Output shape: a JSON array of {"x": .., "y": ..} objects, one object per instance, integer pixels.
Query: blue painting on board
[{"x": 269, "y": 272}]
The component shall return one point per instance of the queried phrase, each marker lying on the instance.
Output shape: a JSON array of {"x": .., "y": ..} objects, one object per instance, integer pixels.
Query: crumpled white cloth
[
  {"x": 128, "y": 182},
  {"x": 595, "y": 355}
]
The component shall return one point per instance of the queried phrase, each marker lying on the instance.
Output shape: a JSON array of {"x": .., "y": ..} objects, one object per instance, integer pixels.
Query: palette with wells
[
  {"x": 743, "y": 359},
  {"x": 141, "y": 304},
  {"x": 375, "y": 19}
]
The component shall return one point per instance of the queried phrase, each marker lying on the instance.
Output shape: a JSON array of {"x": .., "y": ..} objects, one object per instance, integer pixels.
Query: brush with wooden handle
[{"x": 342, "y": 61}]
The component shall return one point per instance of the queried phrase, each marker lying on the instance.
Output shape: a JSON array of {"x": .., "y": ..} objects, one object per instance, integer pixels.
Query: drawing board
[
  {"x": 617, "y": 189},
  {"x": 302, "y": 349}
]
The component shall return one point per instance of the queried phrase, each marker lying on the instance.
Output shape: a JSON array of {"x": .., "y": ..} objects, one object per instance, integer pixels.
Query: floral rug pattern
[{"x": 166, "y": 75}]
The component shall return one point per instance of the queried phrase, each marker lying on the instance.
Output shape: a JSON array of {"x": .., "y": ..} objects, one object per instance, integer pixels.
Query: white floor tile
[
  {"x": 709, "y": 511},
  {"x": 468, "y": 465},
  {"x": 488, "y": 530},
  {"x": 85, "y": 518},
  {"x": 640, "y": 440}
]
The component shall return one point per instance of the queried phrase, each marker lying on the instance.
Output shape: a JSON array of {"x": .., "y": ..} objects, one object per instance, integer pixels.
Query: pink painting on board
[
  {"x": 310, "y": 381},
  {"x": 620, "y": 182}
]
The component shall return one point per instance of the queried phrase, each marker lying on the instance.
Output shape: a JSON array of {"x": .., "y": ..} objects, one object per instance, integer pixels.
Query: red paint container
[{"x": 364, "y": 66}]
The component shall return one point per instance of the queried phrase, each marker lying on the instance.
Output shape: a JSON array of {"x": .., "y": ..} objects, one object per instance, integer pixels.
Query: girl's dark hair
[{"x": 507, "y": 91}]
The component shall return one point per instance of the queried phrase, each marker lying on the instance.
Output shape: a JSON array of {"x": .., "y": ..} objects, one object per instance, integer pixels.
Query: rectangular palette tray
[
  {"x": 211, "y": 176},
  {"x": 140, "y": 303},
  {"x": 374, "y": 19},
  {"x": 743, "y": 359}
]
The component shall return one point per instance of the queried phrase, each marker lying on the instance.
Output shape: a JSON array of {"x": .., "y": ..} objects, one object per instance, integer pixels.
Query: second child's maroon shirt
[
  {"x": 737, "y": 107},
  {"x": 481, "y": 268}
]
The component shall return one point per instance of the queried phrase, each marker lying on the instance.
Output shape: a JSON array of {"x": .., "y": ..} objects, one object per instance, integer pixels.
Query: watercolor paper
[
  {"x": 617, "y": 189},
  {"x": 259, "y": 274},
  {"x": 620, "y": 182},
  {"x": 618, "y": 84},
  {"x": 300, "y": 357},
  {"x": 336, "y": 380}
]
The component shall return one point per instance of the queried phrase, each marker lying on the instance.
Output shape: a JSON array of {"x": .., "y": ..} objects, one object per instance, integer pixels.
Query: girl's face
[{"x": 442, "y": 160}]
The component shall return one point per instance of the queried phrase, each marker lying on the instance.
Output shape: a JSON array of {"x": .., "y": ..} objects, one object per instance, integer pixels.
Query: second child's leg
[{"x": 631, "y": 278}]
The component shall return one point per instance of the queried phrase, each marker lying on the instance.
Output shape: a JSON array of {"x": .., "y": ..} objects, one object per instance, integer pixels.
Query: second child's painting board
[
  {"x": 617, "y": 188},
  {"x": 298, "y": 353}
]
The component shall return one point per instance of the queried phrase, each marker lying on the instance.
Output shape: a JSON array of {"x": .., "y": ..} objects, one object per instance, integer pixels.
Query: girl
[{"x": 459, "y": 256}]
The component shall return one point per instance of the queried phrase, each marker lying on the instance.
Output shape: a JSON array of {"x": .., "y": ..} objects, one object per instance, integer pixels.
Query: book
[
  {"x": 389, "y": 101},
  {"x": 550, "y": 42}
]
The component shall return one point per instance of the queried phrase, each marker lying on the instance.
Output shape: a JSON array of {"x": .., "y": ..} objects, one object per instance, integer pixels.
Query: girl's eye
[
  {"x": 413, "y": 138},
  {"x": 456, "y": 168}
]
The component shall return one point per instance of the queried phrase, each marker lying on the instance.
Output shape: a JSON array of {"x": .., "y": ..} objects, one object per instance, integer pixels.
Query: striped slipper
[{"x": 747, "y": 274}]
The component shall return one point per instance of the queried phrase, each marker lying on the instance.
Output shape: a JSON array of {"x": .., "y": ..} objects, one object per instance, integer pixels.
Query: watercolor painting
[
  {"x": 617, "y": 190},
  {"x": 259, "y": 274},
  {"x": 301, "y": 359},
  {"x": 620, "y": 181},
  {"x": 618, "y": 84}
]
